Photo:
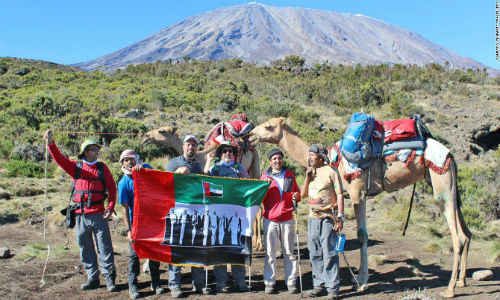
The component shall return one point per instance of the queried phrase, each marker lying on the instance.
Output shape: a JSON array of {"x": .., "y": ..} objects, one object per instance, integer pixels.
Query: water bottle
[{"x": 339, "y": 247}]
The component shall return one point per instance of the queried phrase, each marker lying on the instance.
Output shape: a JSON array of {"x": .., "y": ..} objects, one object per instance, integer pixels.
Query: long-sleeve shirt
[
  {"x": 88, "y": 171},
  {"x": 278, "y": 204}
]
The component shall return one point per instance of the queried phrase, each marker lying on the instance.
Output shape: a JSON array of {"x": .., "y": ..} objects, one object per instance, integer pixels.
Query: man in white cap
[
  {"x": 186, "y": 160},
  {"x": 130, "y": 161}
]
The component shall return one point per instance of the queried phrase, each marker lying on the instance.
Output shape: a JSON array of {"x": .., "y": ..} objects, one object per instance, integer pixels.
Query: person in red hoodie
[
  {"x": 278, "y": 207},
  {"x": 89, "y": 195}
]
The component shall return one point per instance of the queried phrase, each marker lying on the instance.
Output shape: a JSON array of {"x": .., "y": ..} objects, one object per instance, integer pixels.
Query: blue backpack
[{"x": 356, "y": 144}]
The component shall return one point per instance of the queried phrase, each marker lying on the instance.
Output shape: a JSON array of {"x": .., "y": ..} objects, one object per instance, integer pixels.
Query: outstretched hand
[{"x": 48, "y": 136}]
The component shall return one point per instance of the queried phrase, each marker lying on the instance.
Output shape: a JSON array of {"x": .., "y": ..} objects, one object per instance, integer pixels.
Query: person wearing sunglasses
[
  {"x": 224, "y": 165},
  {"x": 324, "y": 188},
  {"x": 92, "y": 184}
]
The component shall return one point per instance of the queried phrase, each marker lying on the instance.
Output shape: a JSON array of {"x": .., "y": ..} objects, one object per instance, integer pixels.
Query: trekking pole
[
  {"x": 298, "y": 251},
  {"x": 345, "y": 258}
]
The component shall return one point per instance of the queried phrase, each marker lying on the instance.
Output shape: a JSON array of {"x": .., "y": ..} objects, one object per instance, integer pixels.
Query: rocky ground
[{"x": 400, "y": 267}]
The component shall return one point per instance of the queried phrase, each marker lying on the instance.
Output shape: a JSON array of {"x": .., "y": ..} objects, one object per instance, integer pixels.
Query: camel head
[
  {"x": 164, "y": 137},
  {"x": 270, "y": 131}
]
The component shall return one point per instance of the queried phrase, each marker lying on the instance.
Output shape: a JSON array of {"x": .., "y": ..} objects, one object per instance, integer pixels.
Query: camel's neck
[{"x": 294, "y": 146}]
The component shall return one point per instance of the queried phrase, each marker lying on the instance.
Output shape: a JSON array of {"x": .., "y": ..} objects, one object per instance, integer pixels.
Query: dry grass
[{"x": 377, "y": 260}]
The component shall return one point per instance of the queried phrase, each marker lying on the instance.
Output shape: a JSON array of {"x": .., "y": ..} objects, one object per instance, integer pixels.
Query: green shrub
[
  {"x": 473, "y": 218},
  {"x": 20, "y": 168},
  {"x": 6, "y": 148}
]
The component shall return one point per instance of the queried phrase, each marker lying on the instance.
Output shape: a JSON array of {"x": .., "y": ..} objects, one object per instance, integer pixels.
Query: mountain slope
[{"x": 262, "y": 33}]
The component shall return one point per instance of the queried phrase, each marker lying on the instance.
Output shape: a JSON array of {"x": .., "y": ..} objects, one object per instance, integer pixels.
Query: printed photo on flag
[{"x": 195, "y": 219}]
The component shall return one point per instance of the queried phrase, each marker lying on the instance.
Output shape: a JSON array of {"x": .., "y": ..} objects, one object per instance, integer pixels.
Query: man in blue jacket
[{"x": 130, "y": 161}]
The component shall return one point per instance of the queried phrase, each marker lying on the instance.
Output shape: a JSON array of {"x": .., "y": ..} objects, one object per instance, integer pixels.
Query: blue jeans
[
  {"x": 238, "y": 276},
  {"x": 174, "y": 276},
  {"x": 321, "y": 239},
  {"x": 90, "y": 227}
]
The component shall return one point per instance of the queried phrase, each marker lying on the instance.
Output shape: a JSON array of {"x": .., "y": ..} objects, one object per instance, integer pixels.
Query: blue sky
[{"x": 72, "y": 31}]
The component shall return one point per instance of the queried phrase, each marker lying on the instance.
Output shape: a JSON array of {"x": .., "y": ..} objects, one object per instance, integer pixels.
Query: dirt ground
[{"x": 401, "y": 275}]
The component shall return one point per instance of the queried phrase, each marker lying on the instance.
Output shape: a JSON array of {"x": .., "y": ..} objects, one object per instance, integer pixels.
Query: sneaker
[
  {"x": 202, "y": 290},
  {"x": 270, "y": 289},
  {"x": 132, "y": 291},
  {"x": 110, "y": 284},
  {"x": 225, "y": 289},
  {"x": 292, "y": 289},
  {"x": 175, "y": 292},
  {"x": 316, "y": 292},
  {"x": 91, "y": 284},
  {"x": 332, "y": 295}
]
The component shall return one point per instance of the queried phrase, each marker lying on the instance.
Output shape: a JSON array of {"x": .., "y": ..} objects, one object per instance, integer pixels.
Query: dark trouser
[
  {"x": 90, "y": 227},
  {"x": 134, "y": 269}
]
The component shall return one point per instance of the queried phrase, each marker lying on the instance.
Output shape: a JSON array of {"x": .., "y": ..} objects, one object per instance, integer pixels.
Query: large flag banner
[{"x": 194, "y": 219}]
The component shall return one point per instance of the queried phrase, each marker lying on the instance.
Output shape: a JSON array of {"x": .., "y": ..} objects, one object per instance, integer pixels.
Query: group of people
[{"x": 93, "y": 183}]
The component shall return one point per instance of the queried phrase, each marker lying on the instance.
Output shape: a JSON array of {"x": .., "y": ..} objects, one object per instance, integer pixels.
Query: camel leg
[
  {"x": 446, "y": 193},
  {"x": 257, "y": 232},
  {"x": 358, "y": 197}
]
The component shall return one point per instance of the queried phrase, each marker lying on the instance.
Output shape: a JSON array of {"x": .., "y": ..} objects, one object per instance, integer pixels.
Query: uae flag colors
[{"x": 194, "y": 219}]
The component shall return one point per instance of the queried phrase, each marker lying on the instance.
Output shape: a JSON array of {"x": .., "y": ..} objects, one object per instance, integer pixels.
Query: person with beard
[
  {"x": 186, "y": 160},
  {"x": 130, "y": 161}
]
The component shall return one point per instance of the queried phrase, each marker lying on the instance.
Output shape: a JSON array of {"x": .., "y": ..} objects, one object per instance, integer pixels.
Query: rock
[
  {"x": 4, "y": 252},
  {"x": 214, "y": 121},
  {"x": 482, "y": 275},
  {"x": 28, "y": 152},
  {"x": 133, "y": 113}
]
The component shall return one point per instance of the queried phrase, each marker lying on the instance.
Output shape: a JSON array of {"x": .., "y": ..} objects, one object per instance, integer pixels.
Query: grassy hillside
[{"x": 194, "y": 95}]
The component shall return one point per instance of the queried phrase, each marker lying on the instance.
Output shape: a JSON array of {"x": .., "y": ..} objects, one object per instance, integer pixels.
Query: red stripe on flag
[
  {"x": 206, "y": 187},
  {"x": 154, "y": 195}
]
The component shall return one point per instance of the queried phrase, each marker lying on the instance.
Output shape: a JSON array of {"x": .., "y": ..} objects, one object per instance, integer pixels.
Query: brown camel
[
  {"x": 167, "y": 137},
  {"x": 384, "y": 176}
]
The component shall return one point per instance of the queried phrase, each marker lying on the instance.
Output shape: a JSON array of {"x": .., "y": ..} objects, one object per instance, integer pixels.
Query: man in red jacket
[
  {"x": 279, "y": 204},
  {"x": 91, "y": 181}
]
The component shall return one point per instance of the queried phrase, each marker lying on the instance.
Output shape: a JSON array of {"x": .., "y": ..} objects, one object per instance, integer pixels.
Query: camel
[
  {"x": 167, "y": 137},
  {"x": 384, "y": 176}
]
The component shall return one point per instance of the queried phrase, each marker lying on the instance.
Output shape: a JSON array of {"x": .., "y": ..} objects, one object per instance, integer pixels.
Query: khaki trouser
[{"x": 274, "y": 233}]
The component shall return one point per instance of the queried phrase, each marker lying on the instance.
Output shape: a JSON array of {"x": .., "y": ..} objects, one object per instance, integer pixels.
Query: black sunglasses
[
  {"x": 227, "y": 150},
  {"x": 95, "y": 149}
]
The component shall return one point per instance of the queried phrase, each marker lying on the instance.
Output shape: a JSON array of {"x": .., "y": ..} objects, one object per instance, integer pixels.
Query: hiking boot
[
  {"x": 132, "y": 291},
  {"x": 91, "y": 284},
  {"x": 332, "y": 295},
  {"x": 316, "y": 292},
  {"x": 157, "y": 289},
  {"x": 270, "y": 289},
  {"x": 175, "y": 292},
  {"x": 110, "y": 284},
  {"x": 292, "y": 289}
]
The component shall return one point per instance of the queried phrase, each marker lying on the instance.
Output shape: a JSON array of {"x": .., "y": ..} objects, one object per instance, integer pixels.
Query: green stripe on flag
[{"x": 190, "y": 189}]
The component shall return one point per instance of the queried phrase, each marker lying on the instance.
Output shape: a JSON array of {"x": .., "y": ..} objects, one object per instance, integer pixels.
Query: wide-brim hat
[
  {"x": 85, "y": 144},
  {"x": 223, "y": 145},
  {"x": 321, "y": 151}
]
